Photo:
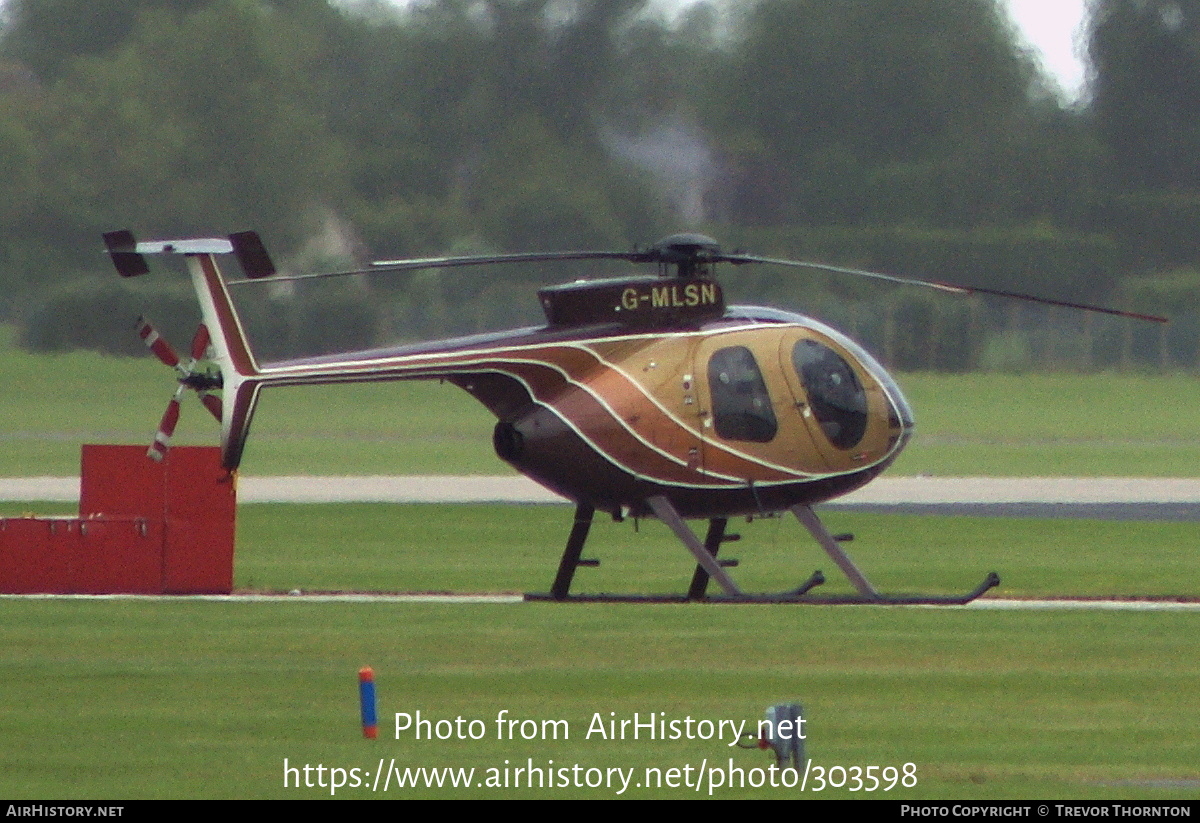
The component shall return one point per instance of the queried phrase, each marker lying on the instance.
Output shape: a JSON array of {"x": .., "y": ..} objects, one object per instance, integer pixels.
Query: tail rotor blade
[
  {"x": 163, "y": 350},
  {"x": 162, "y": 439},
  {"x": 200, "y": 343}
]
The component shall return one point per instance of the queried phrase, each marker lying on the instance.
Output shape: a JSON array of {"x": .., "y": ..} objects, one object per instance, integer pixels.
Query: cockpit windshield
[{"x": 834, "y": 391}]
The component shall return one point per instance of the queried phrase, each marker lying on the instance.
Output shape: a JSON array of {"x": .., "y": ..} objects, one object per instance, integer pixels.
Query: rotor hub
[{"x": 690, "y": 253}]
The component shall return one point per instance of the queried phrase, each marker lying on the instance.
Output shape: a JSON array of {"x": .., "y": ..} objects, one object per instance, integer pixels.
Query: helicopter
[{"x": 641, "y": 396}]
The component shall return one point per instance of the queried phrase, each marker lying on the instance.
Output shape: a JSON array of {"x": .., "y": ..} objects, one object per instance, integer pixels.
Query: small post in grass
[{"x": 366, "y": 698}]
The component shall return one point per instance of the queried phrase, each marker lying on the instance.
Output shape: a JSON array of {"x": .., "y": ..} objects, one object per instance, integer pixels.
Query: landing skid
[{"x": 709, "y": 568}]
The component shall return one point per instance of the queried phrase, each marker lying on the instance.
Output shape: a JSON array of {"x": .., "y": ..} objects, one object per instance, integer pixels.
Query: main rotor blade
[
  {"x": 467, "y": 260},
  {"x": 953, "y": 288},
  {"x": 521, "y": 257},
  {"x": 690, "y": 250}
]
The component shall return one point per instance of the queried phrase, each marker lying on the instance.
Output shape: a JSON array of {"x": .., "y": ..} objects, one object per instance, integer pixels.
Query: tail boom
[{"x": 242, "y": 378}]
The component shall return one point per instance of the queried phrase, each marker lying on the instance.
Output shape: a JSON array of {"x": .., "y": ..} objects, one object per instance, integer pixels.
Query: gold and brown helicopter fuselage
[{"x": 643, "y": 387}]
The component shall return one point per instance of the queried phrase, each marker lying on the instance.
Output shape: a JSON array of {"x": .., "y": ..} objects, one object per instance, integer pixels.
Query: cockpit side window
[
  {"x": 834, "y": 392},
  {"x": 741, "y": 406}
]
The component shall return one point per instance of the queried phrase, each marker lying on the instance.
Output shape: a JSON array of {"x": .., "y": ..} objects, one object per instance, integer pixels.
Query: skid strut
[
  {"x": 584, "y": 513},
  {"x": 705, "y": 557},
  {"x": 712, "y": 544},
  {"x": 708, "y": 567},
  {"x": 808, "y": 518},
  {"x": 868, "y": 593}
]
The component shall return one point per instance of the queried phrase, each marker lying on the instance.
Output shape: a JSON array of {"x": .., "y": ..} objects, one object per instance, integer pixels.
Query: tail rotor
[{"x": 190, "y": 376}]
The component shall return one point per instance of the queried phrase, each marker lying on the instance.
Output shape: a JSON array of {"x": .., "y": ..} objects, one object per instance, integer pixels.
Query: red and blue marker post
[{"x": 366, "y": 698}]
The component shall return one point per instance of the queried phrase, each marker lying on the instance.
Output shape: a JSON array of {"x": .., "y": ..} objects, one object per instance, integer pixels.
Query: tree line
[{"x": 913, "y": 137}]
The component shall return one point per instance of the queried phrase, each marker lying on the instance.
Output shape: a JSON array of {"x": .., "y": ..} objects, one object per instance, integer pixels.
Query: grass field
[
  {"x": 135, "y": 698},
  {"x": 200, "y": 699},
  {"x": 132, "y": 699},
  {"x": 990, "y": 424},
  {"x": 1116, "y": 425}
]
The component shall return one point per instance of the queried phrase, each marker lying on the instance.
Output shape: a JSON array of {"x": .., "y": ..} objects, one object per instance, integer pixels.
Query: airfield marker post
[{"x": 366, "y": 700}]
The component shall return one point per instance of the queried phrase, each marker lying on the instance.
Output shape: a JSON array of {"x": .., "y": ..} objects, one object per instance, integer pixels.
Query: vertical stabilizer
[
  {"x": 239, "y": 370},
  {"x": 240, "y": 376}
]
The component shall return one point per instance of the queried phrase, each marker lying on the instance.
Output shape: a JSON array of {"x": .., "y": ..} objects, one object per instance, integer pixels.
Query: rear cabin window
[
  {"x": 741, "y": 406},
  {"x": 834, "y": 392}
]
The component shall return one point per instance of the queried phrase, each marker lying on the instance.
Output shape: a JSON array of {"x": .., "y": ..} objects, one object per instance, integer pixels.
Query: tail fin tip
[
  {"x": 252, "y": 254},
  {"x": 122, "y": 248}
]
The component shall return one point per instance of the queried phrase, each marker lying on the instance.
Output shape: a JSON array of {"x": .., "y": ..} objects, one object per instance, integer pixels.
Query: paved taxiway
[
  {"x": 1079, "y": 604},
  {"x": 1107, "y": 498}
]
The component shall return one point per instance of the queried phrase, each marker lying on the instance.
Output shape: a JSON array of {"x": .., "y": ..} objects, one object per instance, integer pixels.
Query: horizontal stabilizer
[
  {"x": 201, "y": 245},
  {"x": 127, "y": 253},
  {"x": 252, "y": 254}
]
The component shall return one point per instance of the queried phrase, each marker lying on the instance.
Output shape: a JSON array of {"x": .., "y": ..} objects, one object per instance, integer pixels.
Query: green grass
[
  {"x": 419, "y": 547},
  {"x": 129, "y": 699},
  {"x": 437, "y": 548},
  {"x": 1000, "y": 425},
  {"x": 133, "y": 699},
  {"x": 1117, "y": 425}
]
